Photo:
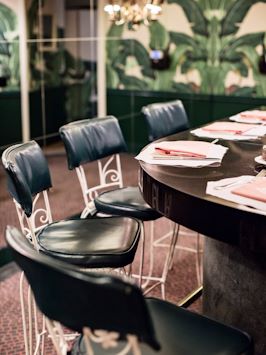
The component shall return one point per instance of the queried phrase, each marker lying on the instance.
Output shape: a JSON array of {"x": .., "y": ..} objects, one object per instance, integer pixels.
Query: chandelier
[{"x": 133, "y": 12}]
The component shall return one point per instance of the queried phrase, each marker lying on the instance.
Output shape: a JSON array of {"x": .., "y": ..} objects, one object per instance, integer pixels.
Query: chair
[
  {"x": 95, "y": 139},
  {"x": 88, "y": 243},
  {"x": 164, "y": 119},
  {"x": 113, "y": 314}
]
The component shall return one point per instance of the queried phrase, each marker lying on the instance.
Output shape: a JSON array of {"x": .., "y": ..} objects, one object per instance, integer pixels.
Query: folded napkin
[
  {"x": 253, "y": 114},
  {"x": 193, "y": 154},
  {"x": 231, "y": 131},
  {"x": 230, "y": 127},
  {"x": 255, "y": 189},
  {"x": 189, "y": 149},
  {"x": 244, "y": 190}
]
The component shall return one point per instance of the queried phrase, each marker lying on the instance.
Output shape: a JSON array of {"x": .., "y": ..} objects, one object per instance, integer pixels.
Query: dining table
[{"x": 234, "y": 267}]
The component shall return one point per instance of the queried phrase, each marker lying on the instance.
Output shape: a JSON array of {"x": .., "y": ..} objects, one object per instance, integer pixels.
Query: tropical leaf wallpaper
[
  {"x": 9, "y": 58},
  {"x": 57, "y": 68},
  {"x": 213, "y": 50}
]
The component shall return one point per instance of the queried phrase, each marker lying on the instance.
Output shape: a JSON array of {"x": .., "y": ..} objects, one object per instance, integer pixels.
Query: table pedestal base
[{"x": 234, "y": 289}]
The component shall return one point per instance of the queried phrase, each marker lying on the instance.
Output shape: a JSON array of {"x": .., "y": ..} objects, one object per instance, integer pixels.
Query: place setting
[
  {"x": 183, "y": 153},
  {"x": 246, "y": 190},
  {"x": 231, "y": 131},
  {"x": 253, "y": 116}
]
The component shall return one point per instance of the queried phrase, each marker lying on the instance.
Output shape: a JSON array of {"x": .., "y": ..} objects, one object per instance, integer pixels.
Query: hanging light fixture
[{"x": 133, "y": 12}]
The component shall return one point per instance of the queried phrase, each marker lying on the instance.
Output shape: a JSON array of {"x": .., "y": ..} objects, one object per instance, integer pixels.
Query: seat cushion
[
  {"x": 95, "y": 242},
  {"x": 126, "y": 201},
  {"x": 181, "y": 332}
]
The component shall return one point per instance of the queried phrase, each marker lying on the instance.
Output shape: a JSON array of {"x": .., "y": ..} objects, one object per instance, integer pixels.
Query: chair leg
[
  {"x": 176, "y": 230},
  {"x": 57, "y": 336},
  {"x": 198, "y": 251},
  {"x": 159, "y": 281},
  {"x": 30, "y": 321},
  {"x": 199, "y": 263},
  {"x": 142, "y": 249},
  {"x": 34, "y": 338},
  {"x": 35, "y": 326},
  {"x": 23, "y": 313},
  {"x": 150, "y": 270}
]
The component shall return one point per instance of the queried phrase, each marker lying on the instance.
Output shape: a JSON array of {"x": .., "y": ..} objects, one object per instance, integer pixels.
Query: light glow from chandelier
[{"x": 133, "y": 12}]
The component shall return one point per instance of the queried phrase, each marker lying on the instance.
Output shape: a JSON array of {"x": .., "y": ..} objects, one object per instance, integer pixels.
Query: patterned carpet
[{"x": 66, "y": 200}]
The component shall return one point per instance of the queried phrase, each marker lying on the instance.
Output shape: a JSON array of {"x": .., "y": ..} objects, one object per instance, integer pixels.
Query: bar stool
[
  {"x": 88, "y": 243},
  {"x": 93, "y": 140},
  {"x": 164, "y": 119},
  {"x": 114, "y": 316}
]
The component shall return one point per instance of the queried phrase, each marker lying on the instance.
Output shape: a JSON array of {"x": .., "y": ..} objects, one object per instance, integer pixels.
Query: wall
[
  {"x": 62, "y": 61},
  {"x": 213, "y": 47}
]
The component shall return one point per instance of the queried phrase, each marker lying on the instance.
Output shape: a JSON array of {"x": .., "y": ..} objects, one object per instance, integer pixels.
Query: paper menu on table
[{"x": 213, "y": 157}]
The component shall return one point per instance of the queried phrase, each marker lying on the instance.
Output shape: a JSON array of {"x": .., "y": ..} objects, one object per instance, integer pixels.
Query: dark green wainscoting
[
  {"x": 126, "y": 106},
  {"x": 10, "y": 121},
  {"x": 10, "y": 111}
]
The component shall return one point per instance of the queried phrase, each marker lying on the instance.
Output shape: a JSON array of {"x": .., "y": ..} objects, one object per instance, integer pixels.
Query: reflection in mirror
[{"x": 63, "y": 55}]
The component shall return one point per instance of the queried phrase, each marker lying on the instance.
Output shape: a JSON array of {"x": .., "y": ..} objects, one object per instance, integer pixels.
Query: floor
[{"x": 66, "y": 200}]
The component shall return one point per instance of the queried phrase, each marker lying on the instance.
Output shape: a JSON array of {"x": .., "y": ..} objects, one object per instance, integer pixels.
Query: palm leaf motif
[
  {"x": 113, "y": 41},
  {"x": 9, "y": 52},
  {"x": 236, "y": 14},
  {"x": 134, "y": 48},
  {"x": 8, "y": 19},
  {"x": 194, "y": 15},
  {"x": 213, "y": 50},
  {"x": 4, "y": 50},
  {"x": 214, "y": 4},
  {"x": 159, "y": 36}
]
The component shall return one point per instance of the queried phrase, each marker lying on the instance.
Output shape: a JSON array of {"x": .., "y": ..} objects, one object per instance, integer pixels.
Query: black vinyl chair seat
[
  {"x": 95, "y": 242},
  {"x": 101, "y": 301},
  {"x": 182, "y": 332},
  {"x": 126, "y": 201}
]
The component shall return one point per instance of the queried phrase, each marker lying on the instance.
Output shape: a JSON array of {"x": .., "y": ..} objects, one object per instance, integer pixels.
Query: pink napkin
[
  {"x": 256, "y": 189},
  {"x": 195, "y": 149},
  {"x": 229, "y": 127},
  {"x": 253, "y": 114}
]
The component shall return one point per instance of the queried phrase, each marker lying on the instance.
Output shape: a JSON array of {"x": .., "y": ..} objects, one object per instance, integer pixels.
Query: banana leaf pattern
[
  {"x": 213, "y": 50},
  {"x": 9, "y": 55}
]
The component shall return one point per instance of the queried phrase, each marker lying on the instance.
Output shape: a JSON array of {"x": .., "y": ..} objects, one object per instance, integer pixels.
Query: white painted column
[
  {"x": 101, "y": 55},
  {"x": 24, "y": 70}
]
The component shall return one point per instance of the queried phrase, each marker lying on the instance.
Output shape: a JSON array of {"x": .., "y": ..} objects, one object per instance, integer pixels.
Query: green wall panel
[
  {"x": 126, "y": 105},
  {"x": 10, "y": 122}
]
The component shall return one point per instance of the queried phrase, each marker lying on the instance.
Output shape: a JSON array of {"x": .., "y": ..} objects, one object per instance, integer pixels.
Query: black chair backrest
[
  {"x": 27, "y": 173},
  {"x": 165, "y": 118},
  {"x": 92, "y": 139},
  {"x": 77, "y": 299}
]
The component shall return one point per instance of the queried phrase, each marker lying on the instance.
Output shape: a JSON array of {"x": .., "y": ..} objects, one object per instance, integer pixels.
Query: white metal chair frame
[
  {"x": 30, "y": 226},
  {"x": 108, "y": 179},
  {"x": 33, "y": 332},
  {"x": 110, "y": 176},
  {"x": 109, "y": 340},
  {"x": 153, "y": 135},
  {"x": 160, "y": 242}
]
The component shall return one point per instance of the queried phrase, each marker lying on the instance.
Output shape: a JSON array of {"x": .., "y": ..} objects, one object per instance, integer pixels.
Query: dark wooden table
[{"x": 235, "y": 248}]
